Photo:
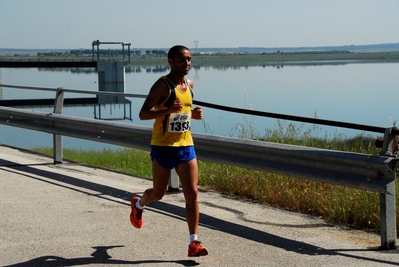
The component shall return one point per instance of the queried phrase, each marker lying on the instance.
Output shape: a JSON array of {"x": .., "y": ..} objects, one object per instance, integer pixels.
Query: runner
[{"x": 169, "y": 102}]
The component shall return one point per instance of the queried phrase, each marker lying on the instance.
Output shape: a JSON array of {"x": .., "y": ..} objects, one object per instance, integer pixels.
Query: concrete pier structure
[{"x": 111, "y": 78}]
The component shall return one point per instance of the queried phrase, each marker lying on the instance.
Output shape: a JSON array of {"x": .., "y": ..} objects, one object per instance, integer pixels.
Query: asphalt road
[{"x": 76, "y": 215}]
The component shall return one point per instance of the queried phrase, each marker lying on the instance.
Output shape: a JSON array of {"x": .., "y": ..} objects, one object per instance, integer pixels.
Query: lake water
[{"x": 363, "y": 93}]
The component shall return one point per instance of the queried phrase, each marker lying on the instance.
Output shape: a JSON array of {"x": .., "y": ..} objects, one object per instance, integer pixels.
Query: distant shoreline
[
  {"x": 275, "y": 59},
  {"x": 226, "y": 59}
]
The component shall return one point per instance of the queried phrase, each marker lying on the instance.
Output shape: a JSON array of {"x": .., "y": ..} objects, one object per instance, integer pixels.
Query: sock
[
  {"x": 192, "y": 238},
  {"x": 138, "y": 205}
]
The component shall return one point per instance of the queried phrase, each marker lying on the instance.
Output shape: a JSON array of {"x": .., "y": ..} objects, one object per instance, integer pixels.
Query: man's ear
[{"x": 170, "y": 61}]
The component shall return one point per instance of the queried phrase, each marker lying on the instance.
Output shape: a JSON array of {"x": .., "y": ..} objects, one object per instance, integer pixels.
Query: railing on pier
[{"x": 362, "y": 171}]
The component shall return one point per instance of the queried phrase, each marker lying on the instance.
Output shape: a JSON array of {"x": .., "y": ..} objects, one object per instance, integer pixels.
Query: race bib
[{"x": 179, "y": 122}]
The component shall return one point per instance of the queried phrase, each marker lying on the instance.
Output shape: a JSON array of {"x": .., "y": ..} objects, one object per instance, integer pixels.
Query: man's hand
[
  {"x": 196, "y": 113},
  {"x": 176, "y": 106}
]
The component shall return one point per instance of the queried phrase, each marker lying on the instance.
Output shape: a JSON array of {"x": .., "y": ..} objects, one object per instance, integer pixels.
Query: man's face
[{"x": 181, "y": 63}]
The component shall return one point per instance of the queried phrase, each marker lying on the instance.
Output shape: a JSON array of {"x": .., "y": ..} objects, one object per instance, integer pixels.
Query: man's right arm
[{"x": 158, "y": 93}]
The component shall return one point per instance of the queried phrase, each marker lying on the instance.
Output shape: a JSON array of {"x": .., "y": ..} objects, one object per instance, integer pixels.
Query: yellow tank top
[{"x": 174, "y": 129}]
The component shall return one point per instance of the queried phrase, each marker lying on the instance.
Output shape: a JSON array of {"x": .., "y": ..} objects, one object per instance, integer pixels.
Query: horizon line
[{"x": 219, "y": 47}]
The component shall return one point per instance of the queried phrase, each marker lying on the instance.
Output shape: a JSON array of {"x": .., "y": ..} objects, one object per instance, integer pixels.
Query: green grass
[
  {"x": 130, "y": 161},
  {"x": 337, "y": 204}
]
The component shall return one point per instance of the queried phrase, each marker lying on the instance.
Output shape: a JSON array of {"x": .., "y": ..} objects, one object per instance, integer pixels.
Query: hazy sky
[{"x": 75, "y": 24}]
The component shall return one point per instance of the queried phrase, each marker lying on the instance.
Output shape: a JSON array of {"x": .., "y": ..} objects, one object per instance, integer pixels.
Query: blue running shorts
[{"x": 169, "y": 156}]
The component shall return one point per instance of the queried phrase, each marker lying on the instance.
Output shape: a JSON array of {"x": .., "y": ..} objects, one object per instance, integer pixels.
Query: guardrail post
[
  {"x": 57, "y": 139},
  {"x": 388, "y": 217},
  {"x": 388, "y": 200},
  {"x": 390, "y": 142},
  {"x": 173, "y": 181}
]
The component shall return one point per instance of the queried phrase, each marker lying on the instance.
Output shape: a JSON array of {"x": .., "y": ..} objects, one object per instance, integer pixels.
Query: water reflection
[{"x": 165, "y": 68}]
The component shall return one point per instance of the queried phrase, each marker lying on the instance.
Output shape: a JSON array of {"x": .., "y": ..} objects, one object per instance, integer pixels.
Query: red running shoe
[
  {"x": 195, "y": 249},
  {"x": 136, "y": 214}
]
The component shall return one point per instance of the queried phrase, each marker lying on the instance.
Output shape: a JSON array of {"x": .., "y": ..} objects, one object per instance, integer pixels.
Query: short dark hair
[{"x": 174, "y": 51}]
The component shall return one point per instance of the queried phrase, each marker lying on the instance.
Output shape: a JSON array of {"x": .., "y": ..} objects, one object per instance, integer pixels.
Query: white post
[
  {"x": 57, "y": 139},
  {"x": 173, "y": 181}
]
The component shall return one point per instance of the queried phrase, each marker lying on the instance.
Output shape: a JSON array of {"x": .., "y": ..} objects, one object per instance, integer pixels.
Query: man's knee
[{"x": 191, "y": 195}]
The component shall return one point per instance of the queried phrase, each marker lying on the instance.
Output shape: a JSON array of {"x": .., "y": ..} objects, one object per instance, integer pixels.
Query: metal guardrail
[{"x": 366, "y": 172}]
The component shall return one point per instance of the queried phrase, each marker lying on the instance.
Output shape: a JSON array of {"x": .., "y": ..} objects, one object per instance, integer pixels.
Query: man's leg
[
  {"x": 160, "y": 180},
  {"x": 188, "y": 173}
]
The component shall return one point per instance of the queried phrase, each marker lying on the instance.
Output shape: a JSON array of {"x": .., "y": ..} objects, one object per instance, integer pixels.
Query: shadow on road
[{"x": 99, "y": 256}]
